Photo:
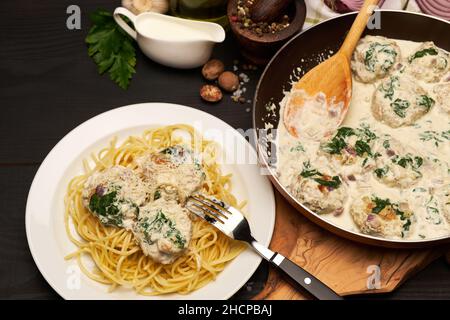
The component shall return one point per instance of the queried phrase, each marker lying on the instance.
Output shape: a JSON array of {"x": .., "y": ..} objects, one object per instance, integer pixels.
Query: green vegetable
[
  {"x": 407, "y": 161},
  {"x": 334, "y": 183},
  {"x": 423, "y": 53},
  {"x": 431, "y": 135},
  {"x": 370, "y": 58},
  {"x": 157, "y": 224},
  {"x": 339, "y": 141},
  {"x": 426, "y": 102},
  {"x": 105, "y": 207},
  {"x": 380, "y": 204},
  {"x": 400, "y": 106},
  {"x": 307, "y": 172},
  {"x": 299, "y": 147},
  {"x": 362, "y": 148},
  {"x": 111, "y": 48},
  {"x": 389, "y": 87},
  {"x": 320, "y": 178},
  {"x": 381, "y": 172},
  {"x": 433, "y": 215}
]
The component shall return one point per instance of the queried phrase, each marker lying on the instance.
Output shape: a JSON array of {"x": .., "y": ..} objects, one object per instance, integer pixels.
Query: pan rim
[{"x": 311, "y": 215}]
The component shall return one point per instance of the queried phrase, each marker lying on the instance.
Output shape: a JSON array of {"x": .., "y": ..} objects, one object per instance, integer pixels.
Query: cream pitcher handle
[{"x": 117, "y": 17}]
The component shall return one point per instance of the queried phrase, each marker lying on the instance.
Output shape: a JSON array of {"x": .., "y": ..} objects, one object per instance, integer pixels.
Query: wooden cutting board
[{"x": 345, "y": 266}]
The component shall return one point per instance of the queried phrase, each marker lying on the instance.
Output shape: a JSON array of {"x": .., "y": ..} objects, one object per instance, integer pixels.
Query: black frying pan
[{"x": 298, "y": 52}]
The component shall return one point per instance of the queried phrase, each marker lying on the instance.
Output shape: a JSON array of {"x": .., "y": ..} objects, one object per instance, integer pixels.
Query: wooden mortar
[{"x": 260, "y": 49}]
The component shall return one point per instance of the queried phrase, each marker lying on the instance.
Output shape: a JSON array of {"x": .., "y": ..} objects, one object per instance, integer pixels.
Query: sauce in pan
[{"x": 385, "y": 171}]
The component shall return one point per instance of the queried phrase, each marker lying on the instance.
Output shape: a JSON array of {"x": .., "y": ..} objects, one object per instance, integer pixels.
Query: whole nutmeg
[
  {"x": 213, "y": 69},
  {"x": 211, "y": 93},
  {"x": 229, "y": 81}
]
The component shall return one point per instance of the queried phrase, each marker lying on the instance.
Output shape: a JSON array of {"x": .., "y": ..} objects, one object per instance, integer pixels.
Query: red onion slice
[
  {"x": 438, "y": 8},
  {"x": 344, "y": 6}
]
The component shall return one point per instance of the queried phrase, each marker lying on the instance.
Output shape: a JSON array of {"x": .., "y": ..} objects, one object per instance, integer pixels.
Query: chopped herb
[
  {"x": 105, "y": 207},
  {"x": 425, "y": 101},
  {"x": 324, "y": 180},
  {"x": 389, "y": 87},
  {"x": 157, "y": 195},
  {"x": 157, "y": 225},
  {"x": 400, "y": 106},
  {"x": 380, "y": 204},
  {"x": 407, "y": 225},
  {"x": 334, "y": 183},
  {"x": 423, "y": 53},
  {"x": 445, "y": 134},
  {"x": 297, "y": 148},
  {"x": 371, "y": 56},
  {"x": 386, "y": 144},
  {"x": 339, "y": 141},
  {"x": 407, "y": 161},
  {"x": 381, "y": 172},
  {"x": 433, "y": 215},
  {"x": 307, "y": 172},
  {"x": 362, "y": 148},
  {"x": 434, "y": 136},
  {"x": 335, "y": 146}
]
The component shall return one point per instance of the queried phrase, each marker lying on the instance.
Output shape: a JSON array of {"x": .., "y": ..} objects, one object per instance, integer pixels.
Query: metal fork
[{"x": 232, "y": 223}]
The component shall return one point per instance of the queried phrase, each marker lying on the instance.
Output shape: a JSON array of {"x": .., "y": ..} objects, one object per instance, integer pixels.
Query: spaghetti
[{"x": 118, "y": 259}]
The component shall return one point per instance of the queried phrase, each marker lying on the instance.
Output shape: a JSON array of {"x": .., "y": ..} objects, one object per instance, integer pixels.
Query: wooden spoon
[
  {"x": 332, "y": 77},
  {"x": 268, "y": 10}
]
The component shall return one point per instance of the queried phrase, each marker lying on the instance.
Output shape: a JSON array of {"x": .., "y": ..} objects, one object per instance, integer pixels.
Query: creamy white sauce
[
  {"x": 312, "y": 109},
  {"x": 427, "y": 137},
  {"x": 170, "y": 30}
]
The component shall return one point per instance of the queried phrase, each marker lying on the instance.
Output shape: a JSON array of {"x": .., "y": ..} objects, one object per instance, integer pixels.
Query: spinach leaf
[
  {"x": 307, "y": 172},
  {"x": 362, "y": 148},
  {"x": 400, "y": 106},
  {"x": 381, "y": 172},
  {"x": 426, "y": 102},
  {"x": 334, "y": 183},
  {"x": 380, "y": 204},
  {"x": 105, "y": 207},
  {"x": 423, "y": 53}
]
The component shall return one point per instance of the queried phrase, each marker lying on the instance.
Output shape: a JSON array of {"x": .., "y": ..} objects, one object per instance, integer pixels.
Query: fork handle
[{"x": 303, "y": 278}]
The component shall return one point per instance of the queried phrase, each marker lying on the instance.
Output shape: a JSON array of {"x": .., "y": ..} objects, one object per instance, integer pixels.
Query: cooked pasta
[{"x": 118, "y": 258}]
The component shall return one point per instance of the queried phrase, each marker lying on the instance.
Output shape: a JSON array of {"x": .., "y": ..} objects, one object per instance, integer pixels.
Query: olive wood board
[{"x": 345, "y": 266}]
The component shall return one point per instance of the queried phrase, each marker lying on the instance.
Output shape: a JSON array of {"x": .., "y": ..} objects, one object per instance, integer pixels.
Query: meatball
[
  {"x": 442, "y": 92},
  {"x": 428, "y": 63},
  {"x": 381, "y": 217},
  {"x": 172, "y": 168},
  {"x": 374, "y": 58},
  {"x": 400, "y": 101},
  {"x": 319, "y": 190},
  {"x": 351, "y": 146},
  {"x": 114, "y": 195},
  {"x": 397, "y": 166},
  {"x": 163, "y": 230}
]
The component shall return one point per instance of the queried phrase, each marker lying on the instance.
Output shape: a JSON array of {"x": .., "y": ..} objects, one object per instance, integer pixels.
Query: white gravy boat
[{"x": 171, "y": 41}]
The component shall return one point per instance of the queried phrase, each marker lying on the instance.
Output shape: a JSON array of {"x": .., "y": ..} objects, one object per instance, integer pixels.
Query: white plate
[{"x": 45, "y": 206}]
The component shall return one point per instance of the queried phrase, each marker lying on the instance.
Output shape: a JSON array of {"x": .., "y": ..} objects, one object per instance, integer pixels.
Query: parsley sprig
[{"x": 111, "y": 48}]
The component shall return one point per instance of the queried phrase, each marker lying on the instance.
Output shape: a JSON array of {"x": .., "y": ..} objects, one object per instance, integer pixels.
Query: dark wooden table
[{"x": 48, "y": 86}]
